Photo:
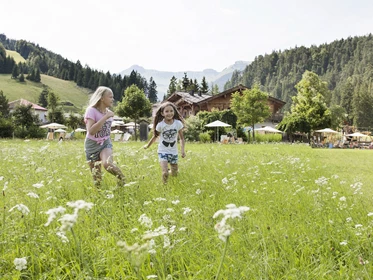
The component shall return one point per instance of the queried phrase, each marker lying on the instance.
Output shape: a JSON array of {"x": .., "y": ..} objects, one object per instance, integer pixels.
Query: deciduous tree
[
  {"x": 134, "y": 105},
  {"x": 250, "y": 107}
]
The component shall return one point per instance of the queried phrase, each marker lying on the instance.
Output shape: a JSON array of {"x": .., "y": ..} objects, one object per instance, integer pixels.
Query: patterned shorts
[{"x": 172, "y": 159}]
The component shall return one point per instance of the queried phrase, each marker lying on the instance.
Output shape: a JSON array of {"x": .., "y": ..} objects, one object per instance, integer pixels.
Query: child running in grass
[
  {"x": 97, "y": 145},
  {"x": 168, "y": 125}
]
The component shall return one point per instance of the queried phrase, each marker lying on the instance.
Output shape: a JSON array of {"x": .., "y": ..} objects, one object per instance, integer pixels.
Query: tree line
[
  {"x": 40, "y": 60},
  {"x": 346, "y": 66}
]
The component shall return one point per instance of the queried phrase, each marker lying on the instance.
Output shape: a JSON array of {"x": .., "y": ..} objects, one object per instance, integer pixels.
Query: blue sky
[{"x": 178, "y": 35}]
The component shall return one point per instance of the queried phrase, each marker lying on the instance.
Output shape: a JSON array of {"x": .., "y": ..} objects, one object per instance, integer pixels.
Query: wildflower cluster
[{"x": 224, "y": 230}]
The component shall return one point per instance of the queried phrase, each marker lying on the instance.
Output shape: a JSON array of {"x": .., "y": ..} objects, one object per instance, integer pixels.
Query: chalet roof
[
  {"x": 25, "y": 102},
  {"x": 188, "y": 97},
  {"x": 240, "y": 88}
]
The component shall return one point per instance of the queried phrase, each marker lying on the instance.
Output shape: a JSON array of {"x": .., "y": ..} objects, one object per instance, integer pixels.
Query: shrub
[{"x": 205, "y": 137}]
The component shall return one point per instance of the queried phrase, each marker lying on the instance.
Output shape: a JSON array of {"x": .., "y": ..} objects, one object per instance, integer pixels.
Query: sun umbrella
[
  {"x": 53, "y": 126},
  {"x": 217, "y": 124},
  {"x": 60, "y": 130},
  {"x": 326, "y": 130},
  {"x": 356, "y": 134},
  {"x": 269, "y": 129},
  {"x": 117, "y": 123},
  {"x": 80, "y": 130},
  {"x": 116, "y": 131}
]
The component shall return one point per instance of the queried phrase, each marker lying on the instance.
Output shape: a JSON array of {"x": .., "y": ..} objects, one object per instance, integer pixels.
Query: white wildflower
[
  {"x": 134, "y": 230},
  {"x": 5, "y": 186},
  {"x": 198, "y": 191},
  {"x": 145, "y": 221},
  {"x": 1, "y": 178},
  {"x": 63, "y": 236},
  {"x": 349, "y": 219},
  {"x": 175, "y": 202},
  {"x": 182, "y": 229},
  {"x": 186, "y": 210},
  {"x": 160, "y": 199},
  {"x": 33, "y": 195},
  {"x": 20, "y": 263},
  {"x": 166, "y": 241},
  {"x": 342, "y": 198},
  {"x": 53, "y": 214},
  {"x": 147, "y": 203},
  {"x": 157, "y": 232},
  {"x": 22, "y": 208},
  {"x": 38, "y": 185},
  {"x": 80, "y": 204},
  {"x": 343, "y": 243},
  {"x": 224, "y": 230},
  {"x": 224, "y": 181},
  {"x": 321, "y": 181},
  {"x": 358, "y": 225},
  {"x": 68, "y": 221},
  {"x": 370, "y": 214},
  {"x": 151, "y": 276}
]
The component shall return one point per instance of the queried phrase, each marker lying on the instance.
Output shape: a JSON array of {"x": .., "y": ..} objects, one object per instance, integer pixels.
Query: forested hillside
[
  {"x": 346, "y": 65},
  {"x": 40, "y": 60}
]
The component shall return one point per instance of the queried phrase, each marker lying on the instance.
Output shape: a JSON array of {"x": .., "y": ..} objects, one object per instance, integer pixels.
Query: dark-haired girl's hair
[{"x": 158, "y": 116}]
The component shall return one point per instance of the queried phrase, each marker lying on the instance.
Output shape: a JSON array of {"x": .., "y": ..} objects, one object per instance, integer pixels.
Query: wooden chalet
[{"x": 190, "y": 103}]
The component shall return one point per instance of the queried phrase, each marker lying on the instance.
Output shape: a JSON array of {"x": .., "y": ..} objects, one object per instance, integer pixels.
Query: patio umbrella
[
  {"x": 60, "y": 130},
  {"x": 116, "y": 131},
  {"x": 269, "y": 129},
  {"x": 326, "y": 130},
  {"x": 356, "y": 134},
  {"x": 80, "y": 130},
  {"x": 53, "y": 126},
  {"x": 217, "y": 124}
]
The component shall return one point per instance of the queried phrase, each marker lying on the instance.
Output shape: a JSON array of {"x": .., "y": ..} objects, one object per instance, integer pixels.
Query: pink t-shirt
[{"x": 104, "y": 132}]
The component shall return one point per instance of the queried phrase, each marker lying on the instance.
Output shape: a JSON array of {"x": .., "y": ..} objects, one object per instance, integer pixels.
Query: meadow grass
[
  {"x": 66, "y": 90},
  {"x": 310, "y": 213},
  {"x": 16, "y": 56}
]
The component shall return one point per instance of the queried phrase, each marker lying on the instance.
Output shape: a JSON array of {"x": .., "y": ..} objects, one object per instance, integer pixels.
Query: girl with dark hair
[{"x": 168, "y": 125}]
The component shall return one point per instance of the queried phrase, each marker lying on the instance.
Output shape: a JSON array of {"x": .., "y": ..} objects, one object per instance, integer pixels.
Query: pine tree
[
  {"x": 22, "y": 78},
  {"x": 15, "y": 72},
  {"x": 172, "y": 86},
  {"x": 204, "y": 86},
  {"x": 185, "y": 82},
  {"x": 152, "y": 93}
]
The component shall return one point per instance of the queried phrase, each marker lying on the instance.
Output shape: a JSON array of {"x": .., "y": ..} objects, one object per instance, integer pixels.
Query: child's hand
[
  {"x": 183, "y": 155},
  {"x": 145, "y": 146}
]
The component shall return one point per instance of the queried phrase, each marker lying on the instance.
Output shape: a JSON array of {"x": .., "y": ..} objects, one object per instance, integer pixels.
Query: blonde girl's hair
[
  {"x": 158, "y": 116},
  {"x": 97, "y": 95}
]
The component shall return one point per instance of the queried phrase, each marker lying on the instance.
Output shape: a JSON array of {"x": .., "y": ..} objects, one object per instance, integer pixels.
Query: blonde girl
[
  {"x": 168, "y": 125},
  {"x": 97, "y": 145}
]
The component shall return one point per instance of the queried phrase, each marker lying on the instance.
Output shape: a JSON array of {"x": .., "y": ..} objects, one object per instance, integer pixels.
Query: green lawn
[{"x": 310, "y": 217}]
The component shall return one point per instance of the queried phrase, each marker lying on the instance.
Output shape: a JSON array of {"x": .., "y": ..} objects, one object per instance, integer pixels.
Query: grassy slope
[
  {"x": 16, "y": 56},
  {"x": 66, "y": 90}
]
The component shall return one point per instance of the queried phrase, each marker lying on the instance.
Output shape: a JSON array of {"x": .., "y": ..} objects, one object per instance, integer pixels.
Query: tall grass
[{"x": 310, "y": 213}]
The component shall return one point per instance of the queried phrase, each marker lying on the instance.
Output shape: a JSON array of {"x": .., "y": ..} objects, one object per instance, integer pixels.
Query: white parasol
[
  {"x": 53, "y": 126},
  {"x": 268, "y": 129},
  {"x": 80, "y": 130},
  {"x": 217, "y": 124}
]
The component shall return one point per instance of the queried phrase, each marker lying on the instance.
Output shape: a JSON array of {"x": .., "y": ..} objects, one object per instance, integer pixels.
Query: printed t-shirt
[
  {"x": 104, "y": 132},
  {"x": 168, "y": 136}
]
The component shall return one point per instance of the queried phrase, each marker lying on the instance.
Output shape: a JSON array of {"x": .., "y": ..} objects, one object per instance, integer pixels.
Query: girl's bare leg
[
  {"x": 107, "y": 161},
  {"x": 164, "y": 167},
  {"x": 95, "y": 167},
  {"x": 174, "y": 169}
]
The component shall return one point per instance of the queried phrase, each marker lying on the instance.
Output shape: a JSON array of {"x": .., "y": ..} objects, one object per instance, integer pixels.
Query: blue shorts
[
  {"x": 172, "y": 159},
  {"x": 93, "y": 149}
]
